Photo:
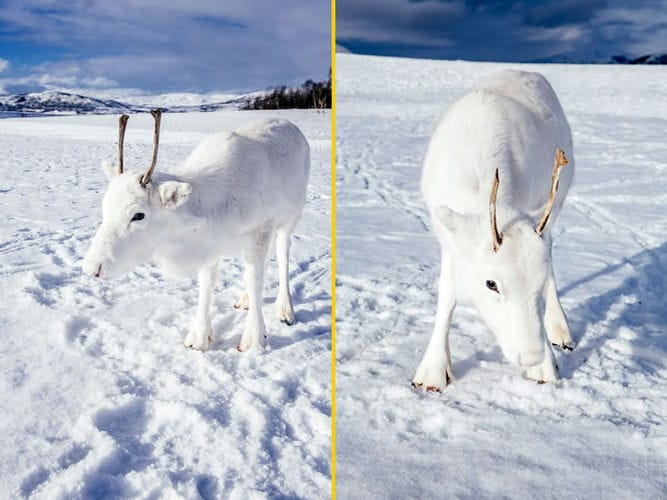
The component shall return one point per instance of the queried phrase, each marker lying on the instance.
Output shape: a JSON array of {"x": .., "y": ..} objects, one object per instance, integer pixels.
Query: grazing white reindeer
[
  {"x": 239, "y": 192},
  {"x": 485, "y": 182}
]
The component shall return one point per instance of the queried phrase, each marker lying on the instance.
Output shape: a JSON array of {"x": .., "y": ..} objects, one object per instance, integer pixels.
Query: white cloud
[
  {"x": 53, "y": 81},
  {"x": 560, "y": 34},
  {"x": 4, "y": 64},
  {"x": 99, "y": 82},
  {"x": 647, "y": 24},
  {"x": 199, "y": 46},
  {"x": 65, "y": 78}
]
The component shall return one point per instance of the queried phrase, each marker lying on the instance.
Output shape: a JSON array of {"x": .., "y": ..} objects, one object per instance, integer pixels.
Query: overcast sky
[
  {"x": 503, "y": 30},
  {"x": 163, "y": 45}
]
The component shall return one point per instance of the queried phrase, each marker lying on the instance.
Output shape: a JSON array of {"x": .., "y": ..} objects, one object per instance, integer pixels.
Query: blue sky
[
  {"x": 156, "y": 46},
  {"x": 502, "y": 30}
]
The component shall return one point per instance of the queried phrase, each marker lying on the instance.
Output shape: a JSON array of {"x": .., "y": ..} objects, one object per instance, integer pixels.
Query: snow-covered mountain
[
  {"x": 578, "y": 57},
  {"x": 646, "y": 59},
  {"x": 61, "y": 102},
  {"x": 57, "y": 102}
]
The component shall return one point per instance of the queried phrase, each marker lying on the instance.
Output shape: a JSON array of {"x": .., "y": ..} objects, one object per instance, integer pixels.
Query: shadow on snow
[{"x": 637, "y": 303}]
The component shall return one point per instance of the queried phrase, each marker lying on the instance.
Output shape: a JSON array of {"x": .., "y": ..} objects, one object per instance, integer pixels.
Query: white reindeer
[
  {"x": 239, "y": 192},
  {"x": 484, "y": 180}
]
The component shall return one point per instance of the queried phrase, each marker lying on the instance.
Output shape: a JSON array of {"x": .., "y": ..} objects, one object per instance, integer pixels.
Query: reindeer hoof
[
  {"x": 243, "y": 302},
  {"x": 433, "y": 378},
  {"x": 544, "y": 372},
  {"x": 285, "y": 312},
  {"x": 428, "y": 387},
  {"x": 196, "y": 345},
  {"x": 241, "y": 348},
  {"x": 248, "y": 346},
  {"x": 567, "y": 346},
  {"x": 198, "y": 339}
]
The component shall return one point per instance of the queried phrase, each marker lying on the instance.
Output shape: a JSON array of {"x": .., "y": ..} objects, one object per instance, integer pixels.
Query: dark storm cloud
[
  {"x": 552, "y": 13},
  {"x": 503, "y": 30},
  {"x": 379, "y": 20}
]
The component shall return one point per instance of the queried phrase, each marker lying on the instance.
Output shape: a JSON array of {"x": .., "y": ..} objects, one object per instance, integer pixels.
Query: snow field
[
  {"x": 598, "y": 432},
  {"x": 99, "y": 396}
]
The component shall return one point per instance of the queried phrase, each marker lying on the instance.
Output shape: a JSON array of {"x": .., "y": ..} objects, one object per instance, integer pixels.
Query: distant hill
[
  {"x": 311, "y": 95},
  {"x": 52, "y": 101},
  {"x": 597, "y": 58},
  {"x": 647, "y": 59},
  {"x": 55, "y": 102}
]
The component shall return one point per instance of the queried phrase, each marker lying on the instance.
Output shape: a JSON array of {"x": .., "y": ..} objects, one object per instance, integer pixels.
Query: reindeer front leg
[
  {"x": 254, "y": 333},
  {"x": 557, "y": 333},
  {"x": 435, "y": 369},
  {"x": 555, "y": 321},
  {"x": 284, "y": 306},
  {"x": 546, "y": 371},
  {"x": 243, "y": 302},
  {"x": 201, "y": 331}
]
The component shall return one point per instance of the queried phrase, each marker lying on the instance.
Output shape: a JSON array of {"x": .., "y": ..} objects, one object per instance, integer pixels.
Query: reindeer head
[
  {"x": 135, "y": 214},
  {"x": 505, "y": 274}
]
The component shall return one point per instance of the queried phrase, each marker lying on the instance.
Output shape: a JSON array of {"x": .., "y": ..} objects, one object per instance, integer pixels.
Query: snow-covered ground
[
  {"x": 99, "y": 397},
  {"x": 597, "y": 433}
]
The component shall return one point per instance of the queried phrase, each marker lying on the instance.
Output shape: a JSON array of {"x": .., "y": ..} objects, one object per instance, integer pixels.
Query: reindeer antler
[
  {"x": 157, "y": 115},
  {"x": 560, "y": 160},
  {"x": 497, "y": 238},
  {"x": 122, "y": 125}
]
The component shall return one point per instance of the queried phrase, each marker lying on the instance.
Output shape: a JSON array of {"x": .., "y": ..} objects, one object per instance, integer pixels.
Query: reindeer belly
[{"x": 196, "y": 248}]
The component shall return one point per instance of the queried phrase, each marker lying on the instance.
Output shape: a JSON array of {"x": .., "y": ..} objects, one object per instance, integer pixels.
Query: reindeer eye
[
  {"x": 491, "y": 285},
  {"x": 138, "y": 216}
]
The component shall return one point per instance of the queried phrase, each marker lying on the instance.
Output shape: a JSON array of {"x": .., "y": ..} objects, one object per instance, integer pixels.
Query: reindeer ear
[
  {"x": 464, "y": 229},
  {"x": 110, "y": 170},
  {"x": 173, "y": 194}
]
